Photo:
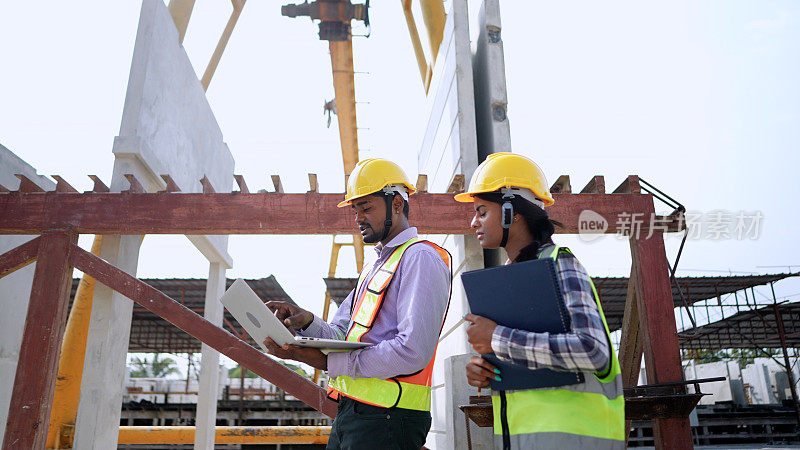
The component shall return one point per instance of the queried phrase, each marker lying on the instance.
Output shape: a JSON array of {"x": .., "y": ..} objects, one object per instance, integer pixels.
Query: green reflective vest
[
  {"x": 410, "y": 391},
  {"x": 586, "y": 415}
]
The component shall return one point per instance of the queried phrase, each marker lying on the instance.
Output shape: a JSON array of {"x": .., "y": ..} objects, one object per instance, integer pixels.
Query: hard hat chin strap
[
  {"x": 507, "y": 210},
  {"x": 505, "y": 238},
  {"x": 389, "y": 192},
  {"x": 387, "y": 224}
]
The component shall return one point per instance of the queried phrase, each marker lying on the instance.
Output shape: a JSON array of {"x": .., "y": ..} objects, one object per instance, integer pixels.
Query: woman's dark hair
[{"x": 539, "y": 223}]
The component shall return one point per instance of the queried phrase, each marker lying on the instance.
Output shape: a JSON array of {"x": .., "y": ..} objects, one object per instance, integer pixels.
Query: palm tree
[
  {"x": 236, "y": 372},
  {"x": 154, "y": 368}
]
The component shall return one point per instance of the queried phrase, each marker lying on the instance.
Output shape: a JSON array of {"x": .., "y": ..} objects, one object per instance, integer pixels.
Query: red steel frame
[
  {"x": 268, "y": 213},
  {"x": 35, "y": 380},
  {"x": 649, "y": 324}
]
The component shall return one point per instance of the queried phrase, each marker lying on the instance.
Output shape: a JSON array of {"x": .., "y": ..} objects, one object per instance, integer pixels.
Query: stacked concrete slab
[
  {"x": 762, "y": 382},
  {"x": 719, "y": 391}
]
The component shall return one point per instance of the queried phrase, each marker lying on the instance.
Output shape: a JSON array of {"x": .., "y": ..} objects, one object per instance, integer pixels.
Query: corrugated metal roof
[
  {"x": 340, "y": 288},
  {"x": 150, "y": 333},
  {"x": 613, "y": 290},
  {"x": 749, "y": 328}
]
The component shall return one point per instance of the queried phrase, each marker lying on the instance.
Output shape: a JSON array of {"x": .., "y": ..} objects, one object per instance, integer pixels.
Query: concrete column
[
  {"x": 99, "y": 410},
  {"x": 167, "y": 128},
  {"x": 458, "y": 392},
  {"x": 209, "y": 363},
  {"x": 449, "y": 148}
]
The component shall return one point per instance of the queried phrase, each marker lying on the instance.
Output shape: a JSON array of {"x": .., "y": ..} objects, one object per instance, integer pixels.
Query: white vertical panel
[
  {"x": 719, "y": 391},
  {"x": 167, "y": 128},
  {"x": 489, "y": 74},
  {"x": 209, "y": 363},
  {"x": 467, "y": 120},
  {"x": 757, "y": 376},
  {"x": 99, "y": 409},
  {"x": 15, "y": 288},
  {"x": 449, "y": 147}
]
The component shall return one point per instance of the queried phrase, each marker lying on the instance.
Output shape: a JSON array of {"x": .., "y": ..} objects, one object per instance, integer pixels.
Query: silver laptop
[{"x": 260, "y": 322}]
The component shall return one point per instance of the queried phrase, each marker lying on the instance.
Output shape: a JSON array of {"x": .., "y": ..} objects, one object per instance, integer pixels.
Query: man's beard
[{"x": 372, "y": 236}]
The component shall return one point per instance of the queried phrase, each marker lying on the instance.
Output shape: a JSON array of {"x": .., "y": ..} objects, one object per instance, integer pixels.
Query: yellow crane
[{"x": 335, "y": 17}]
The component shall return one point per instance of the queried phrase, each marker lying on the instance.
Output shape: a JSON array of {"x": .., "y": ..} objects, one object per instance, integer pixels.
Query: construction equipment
[{"x": 334, "y": 16}]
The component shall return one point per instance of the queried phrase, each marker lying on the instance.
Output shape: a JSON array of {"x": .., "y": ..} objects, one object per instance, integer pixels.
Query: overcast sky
[{"x": 700, "y": 98}]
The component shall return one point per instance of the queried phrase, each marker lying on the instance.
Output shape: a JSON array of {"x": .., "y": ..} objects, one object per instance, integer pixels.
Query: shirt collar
[{"x": 400, "y": 239}]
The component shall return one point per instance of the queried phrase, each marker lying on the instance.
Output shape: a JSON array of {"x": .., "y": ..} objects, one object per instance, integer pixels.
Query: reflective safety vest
[
  {"x": 407, "y": 391},
  {"x": 586, "y": 415}
]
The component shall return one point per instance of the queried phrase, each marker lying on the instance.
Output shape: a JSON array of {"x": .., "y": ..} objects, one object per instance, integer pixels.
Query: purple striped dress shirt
[{"x": 406, "y": 330}]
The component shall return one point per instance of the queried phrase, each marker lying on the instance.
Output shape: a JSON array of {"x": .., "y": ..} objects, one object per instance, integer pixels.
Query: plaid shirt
[{"x": 584, "y": 348}]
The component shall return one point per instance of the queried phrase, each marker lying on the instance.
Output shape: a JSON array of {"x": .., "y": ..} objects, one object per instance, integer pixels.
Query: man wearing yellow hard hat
[
  {"x": 509, "y": 195},
  {"x": 398, "y": 305}
]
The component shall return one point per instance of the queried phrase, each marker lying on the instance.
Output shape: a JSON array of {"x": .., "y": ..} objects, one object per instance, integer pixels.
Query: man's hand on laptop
[
  {"x": 292, "y": 316},
  {"x": 310, "y": 356}
]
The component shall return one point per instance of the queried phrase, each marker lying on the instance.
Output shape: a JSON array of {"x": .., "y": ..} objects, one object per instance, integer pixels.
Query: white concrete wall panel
[
  {"x": 489, "y": 74},
  {"x": 167, "y": 122},
  {"x": 15, "y": 289},
  {"x": 167, "y": 128},
  {"x": 720, "y": 391},
  {"x": 449, "y": 147},
  {"x": 467, "y": 120},
  {"x": 756, "y": 375}
]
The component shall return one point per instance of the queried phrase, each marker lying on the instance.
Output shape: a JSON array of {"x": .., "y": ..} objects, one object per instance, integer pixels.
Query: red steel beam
[
  {"x": 630, "y": 345},
  {"x": 19, "y": 257},
  {"x": 195, "y": 325},
  {"x": 35, "y": 380},
  {"x": 658, "y": 331},
  {"x": 268, "y": 213}
]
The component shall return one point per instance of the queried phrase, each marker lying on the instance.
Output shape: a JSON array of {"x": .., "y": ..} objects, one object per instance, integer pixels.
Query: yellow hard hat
[
  {"x": 507, "y": 170},
  {"x": 372, "y": 175}
]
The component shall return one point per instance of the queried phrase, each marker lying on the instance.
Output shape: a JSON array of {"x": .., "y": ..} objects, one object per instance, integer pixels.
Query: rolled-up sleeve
[{"x": 422, "y": 295}]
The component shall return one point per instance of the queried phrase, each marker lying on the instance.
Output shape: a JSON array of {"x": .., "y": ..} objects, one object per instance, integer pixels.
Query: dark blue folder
[{"x": 525, "y": 296}]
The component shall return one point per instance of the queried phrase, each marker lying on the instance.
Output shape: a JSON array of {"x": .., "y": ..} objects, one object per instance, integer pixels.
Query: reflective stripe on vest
[
  {"x": 589, "y": 413},
  {"x": 370, "y": 300},
  {"x": 409, "y": 392}
]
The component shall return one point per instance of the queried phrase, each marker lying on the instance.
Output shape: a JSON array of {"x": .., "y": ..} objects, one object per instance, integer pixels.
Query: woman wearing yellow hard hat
[{"x": 509, "y": 193}]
